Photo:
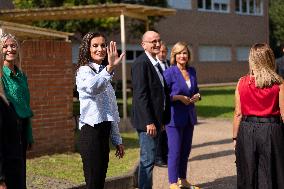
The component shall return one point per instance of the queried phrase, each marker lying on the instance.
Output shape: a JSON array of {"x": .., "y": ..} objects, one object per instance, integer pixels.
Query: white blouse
[
  {"x": 188, "y": 83},
  {"x": 97, "y": 99}
]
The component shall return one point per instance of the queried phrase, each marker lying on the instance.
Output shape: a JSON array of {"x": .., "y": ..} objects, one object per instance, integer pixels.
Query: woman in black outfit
[
  {"x": 13, "y": 133},
  {"x": 12, "y": 168}
]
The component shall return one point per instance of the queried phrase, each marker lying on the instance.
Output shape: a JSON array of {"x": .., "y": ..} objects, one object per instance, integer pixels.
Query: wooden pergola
[
  {"x": 23, "y": 31},
  {"x": 141, "y": 12},
  {"x": 84, "y": 12}
]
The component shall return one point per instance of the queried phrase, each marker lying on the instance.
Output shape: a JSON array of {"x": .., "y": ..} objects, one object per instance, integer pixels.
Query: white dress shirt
[
  {"x": 155, "y": 62},
  {"x": 97, "y": 99},
  {"x": 163, "y": 65}
]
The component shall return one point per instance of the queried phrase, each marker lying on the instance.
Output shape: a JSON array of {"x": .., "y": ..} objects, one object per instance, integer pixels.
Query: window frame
[
  {"x": 248, "y": 7},
  {"x": 238, "y": 53},
  {"x": 135, "y": 49},
  {"x": 214, "y": 51},
  {"x": 204, "y": 9},
  {"x": 171, "y": 3}
]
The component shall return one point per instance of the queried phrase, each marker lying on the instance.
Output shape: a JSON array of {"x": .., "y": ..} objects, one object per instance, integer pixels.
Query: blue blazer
[{"x": 181, "y": 115}]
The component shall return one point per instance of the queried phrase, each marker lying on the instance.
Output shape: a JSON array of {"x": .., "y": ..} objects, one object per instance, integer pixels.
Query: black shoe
[{"x": 160, "y": 163}]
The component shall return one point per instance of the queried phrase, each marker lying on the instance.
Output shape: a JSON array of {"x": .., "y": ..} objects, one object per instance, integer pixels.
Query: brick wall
[{"x": 49, "y": 69}]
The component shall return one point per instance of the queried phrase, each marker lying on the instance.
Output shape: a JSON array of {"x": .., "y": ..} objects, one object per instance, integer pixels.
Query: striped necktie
[{"x": 160, "y": 68}]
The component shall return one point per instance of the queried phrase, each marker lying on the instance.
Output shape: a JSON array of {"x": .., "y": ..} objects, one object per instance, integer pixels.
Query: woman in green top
[{"x": 16, "y": 89}]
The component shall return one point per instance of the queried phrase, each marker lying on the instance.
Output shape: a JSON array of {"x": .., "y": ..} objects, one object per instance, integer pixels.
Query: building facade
[{"x": 219, "y": 32}]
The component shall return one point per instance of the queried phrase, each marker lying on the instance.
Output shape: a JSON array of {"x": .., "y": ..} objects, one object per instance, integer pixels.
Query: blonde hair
[
  {"x": 177, "y": 48},
  {"x": 3, "y": 38},
  {"x": 262, "y": 66}
]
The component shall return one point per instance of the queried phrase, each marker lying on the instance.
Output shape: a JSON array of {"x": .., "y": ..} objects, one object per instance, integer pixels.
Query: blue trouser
[
  {"x": 179, "y": 143},
  {"x": 147, "y": 160}
]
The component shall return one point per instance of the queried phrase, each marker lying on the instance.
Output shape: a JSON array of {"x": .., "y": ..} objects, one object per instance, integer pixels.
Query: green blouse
[{"x": 17, "y": 92}]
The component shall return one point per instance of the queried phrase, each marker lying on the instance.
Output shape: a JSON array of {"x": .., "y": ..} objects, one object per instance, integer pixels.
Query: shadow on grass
[
  {"x": 229, "y": 182},
  {"x": 208, "y": 92},
  {"x": 129, "y": 143},
  {"x": 225, "y": 141},
  {"x": 212, "y": 155},
  {"x": 212, "y": 111}
]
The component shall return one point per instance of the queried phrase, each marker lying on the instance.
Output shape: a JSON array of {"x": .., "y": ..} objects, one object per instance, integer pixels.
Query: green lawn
[{"x": 217, "y": 102}]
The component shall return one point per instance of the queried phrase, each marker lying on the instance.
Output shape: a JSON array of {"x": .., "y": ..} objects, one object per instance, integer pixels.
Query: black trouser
[
  {"x": 15, "y": 168},
  {"x": 162, "y": 147},
  {"x": 260, "y": 155},
  {"x": 94, "y": 150},
  {"x": 15, "y": 174}
]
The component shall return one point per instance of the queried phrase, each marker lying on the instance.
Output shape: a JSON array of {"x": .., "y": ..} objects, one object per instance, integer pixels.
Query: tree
[
  {"x": 106, "y": 25},
  {"x": 276, "y": 24}
]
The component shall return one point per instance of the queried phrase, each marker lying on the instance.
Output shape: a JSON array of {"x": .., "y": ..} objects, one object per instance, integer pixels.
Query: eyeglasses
[{"x": 154, "y": 42}]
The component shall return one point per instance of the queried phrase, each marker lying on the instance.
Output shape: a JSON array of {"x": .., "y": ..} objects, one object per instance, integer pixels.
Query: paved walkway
[{"x": 211, "y": 163}]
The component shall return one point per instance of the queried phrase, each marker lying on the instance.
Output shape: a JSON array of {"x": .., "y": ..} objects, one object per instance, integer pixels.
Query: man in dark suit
[
  {"x": 162, "y": 140},
  {"x": 150, "y": 104},
  {"x": 280, "y": 63},
  {"x": 162, "y": 56}
]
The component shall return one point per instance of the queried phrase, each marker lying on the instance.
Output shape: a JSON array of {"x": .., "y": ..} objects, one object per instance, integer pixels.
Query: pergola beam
[
  {"x": 25, "y": 31},
  {"x": 83, "y": 12}
]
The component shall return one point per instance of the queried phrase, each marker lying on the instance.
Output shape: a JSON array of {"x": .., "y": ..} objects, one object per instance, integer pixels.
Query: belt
[{"x": 270, "y": 119}]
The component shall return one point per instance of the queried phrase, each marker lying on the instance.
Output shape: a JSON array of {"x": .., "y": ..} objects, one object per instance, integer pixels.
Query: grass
[
  {"x": 217, "y": 102},
  {"x": 69, "y": 166}
]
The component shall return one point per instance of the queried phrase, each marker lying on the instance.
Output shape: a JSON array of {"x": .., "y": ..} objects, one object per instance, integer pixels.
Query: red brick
[{"x": 49, "y": 68}]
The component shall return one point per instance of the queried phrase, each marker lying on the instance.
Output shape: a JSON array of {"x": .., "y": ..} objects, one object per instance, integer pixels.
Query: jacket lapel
[
  {"x": 152, "y": 68},
  {"x": 192, "y": 81},
  {"x": 181, "y": 81}
]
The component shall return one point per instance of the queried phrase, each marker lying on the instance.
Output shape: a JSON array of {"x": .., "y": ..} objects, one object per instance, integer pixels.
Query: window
[
  {"x": 132, "y": 52},
  {"x": 75, "y": 52},
  {"x": 129, "y": 55},
  {"x": 242, "y": 53},
  {"x": 214, "y": 5},
  {"x": 251, "y": 7},
  {"x": 214, "y": 53},
  {"x": 181, "y": 4}
]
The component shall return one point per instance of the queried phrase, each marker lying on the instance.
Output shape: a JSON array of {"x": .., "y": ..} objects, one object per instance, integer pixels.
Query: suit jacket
[
  {"x": 148, "y": 99},
  {"x": 181, "y": 114},
  {"x": 168, "y": 63},
  {"x": 280, "y": 66}
]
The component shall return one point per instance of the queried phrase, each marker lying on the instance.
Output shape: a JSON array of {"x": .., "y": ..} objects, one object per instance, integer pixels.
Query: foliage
[
  {"x": 276, "y": 18},
  {"x": 105, "y": 25}
]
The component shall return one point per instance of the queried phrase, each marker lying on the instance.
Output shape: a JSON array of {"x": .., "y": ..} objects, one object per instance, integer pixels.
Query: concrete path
[{"x": 212, "y": 161}]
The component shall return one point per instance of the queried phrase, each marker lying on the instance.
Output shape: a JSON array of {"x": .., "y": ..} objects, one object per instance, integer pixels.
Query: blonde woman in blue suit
[{"x": 182, "y": 83}]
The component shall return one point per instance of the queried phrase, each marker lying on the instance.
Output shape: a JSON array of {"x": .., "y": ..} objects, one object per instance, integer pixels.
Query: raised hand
[{"x": 113, "y": 58}]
